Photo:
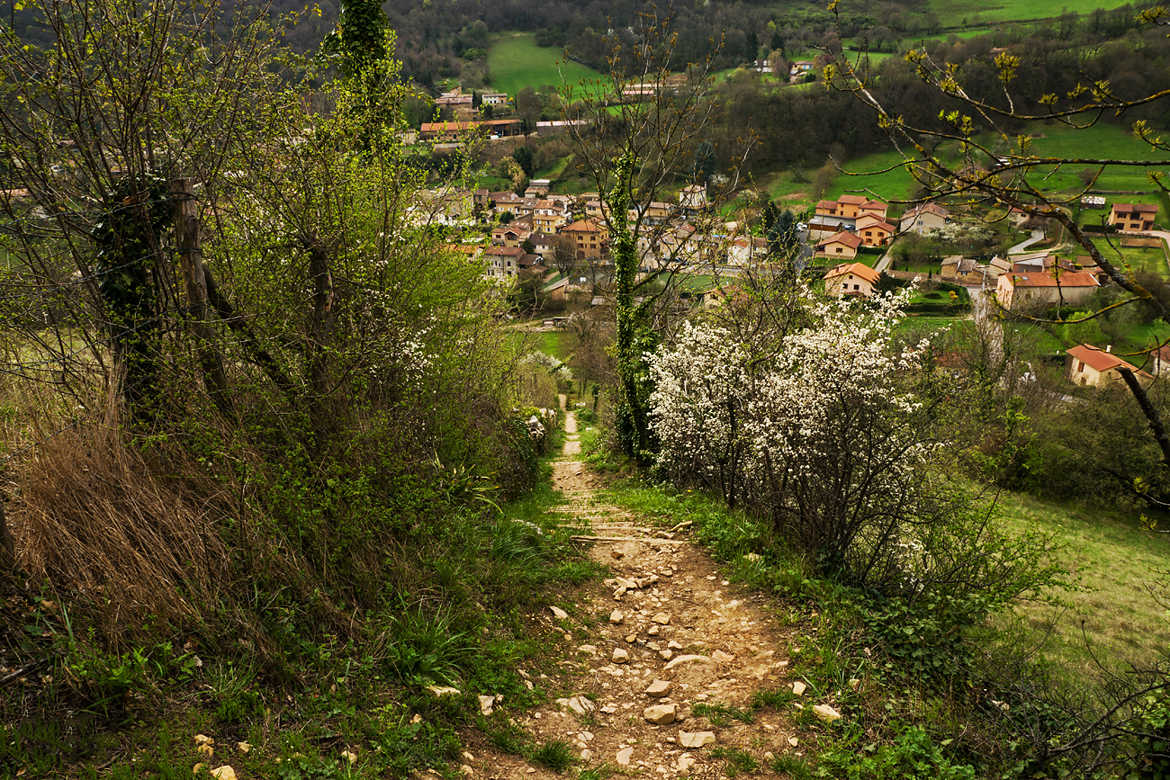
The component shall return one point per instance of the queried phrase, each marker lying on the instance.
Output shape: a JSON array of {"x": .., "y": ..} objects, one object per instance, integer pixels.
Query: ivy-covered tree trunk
[
  {"x": 129, "y": 246},
  {"x": 633, "y": 423}
]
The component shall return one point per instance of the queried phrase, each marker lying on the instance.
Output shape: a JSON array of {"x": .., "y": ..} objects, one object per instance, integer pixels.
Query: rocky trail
[{"x": 662, "y": 686}]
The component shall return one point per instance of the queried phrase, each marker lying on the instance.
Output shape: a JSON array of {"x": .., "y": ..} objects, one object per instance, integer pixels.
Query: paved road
[{"x": 1035, "y": 237}]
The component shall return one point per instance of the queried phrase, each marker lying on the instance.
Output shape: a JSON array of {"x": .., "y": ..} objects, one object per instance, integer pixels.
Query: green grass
[
  {"x": 957, "y": 12},
  {"x": 1136, "y": 259},
  {"x": 1115, "y": 562},
  {"x": 516, "y": 62},
  {"x": 558, "y": 343},
  {"x": 555, "y": 755},
  {"x": 879, "y": 173}
]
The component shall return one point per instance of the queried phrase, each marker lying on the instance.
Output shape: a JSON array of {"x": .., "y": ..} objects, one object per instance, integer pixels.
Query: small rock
[
  {"x": 559, "y": 613},
  {"x": 660, "y": 714},
  {"x": 349, "y": 756},
  {"x": 620, "y": 655},
  {"x": 466, "y": 770},
  {"x": 416, "y": 719},
  {"x": 587, "y": 649},
  {"x": 631, "y": 638},
  {"x": 243, "y": 747},
  {"x": 586, "y": 754},
  {"x": 799, "y": 688},
  {"x": 579, "y": 705},
  {"x": 486, "y": 704},
  {"x": 685, "y": 762},
  {"x": 224, "y": 772},
  {"x": 653, "y": 631},
  {"x": 467, "y": 756},
  {"x": 616, "y": 617},
  {"x": 854, "y": 683},
  {"x": 658, "y": 689},
  {"x": 203, "y": 739},
  {"x": 200, "y": 767},
  {"x": 624, "y": 755},
  {"x": 793, "y": 741},
  {"x": 721, "y": 657},
  {"x": 696, "y": 739},
  {"x": 666, "y": 654},
  {"x": 826, "y": 713},
  {"x": 443, "y": 690},
  {"x": 609, "y": 709},
  {"x": 207, "y": 750},
  {"x": 686, "y": 659},
  {"x": 673, "y": 645},
  {"x": 662, "y": 619}
]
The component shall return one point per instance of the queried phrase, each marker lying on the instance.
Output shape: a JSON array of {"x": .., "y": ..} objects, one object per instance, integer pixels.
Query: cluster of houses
[
  {"x": 842, "y": 227},
  {"x": 532, "y": 227}
]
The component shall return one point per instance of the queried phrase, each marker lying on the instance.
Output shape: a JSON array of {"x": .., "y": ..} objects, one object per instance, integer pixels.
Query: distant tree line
[{"x": 801, "y": 127}]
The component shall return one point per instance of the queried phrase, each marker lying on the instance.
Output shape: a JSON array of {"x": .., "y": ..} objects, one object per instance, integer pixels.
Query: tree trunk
[
  {"x": 320, "y": 336},
  {"x": 191, "y": 258}
]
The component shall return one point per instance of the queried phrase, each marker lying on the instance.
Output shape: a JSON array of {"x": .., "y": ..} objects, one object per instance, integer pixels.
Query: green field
[
  {"x": 516, "y": 62},
  {"x": 874, "y": 173},
  {"x": 962, "y": 14},
  {"x": 1114, "y": 563}
]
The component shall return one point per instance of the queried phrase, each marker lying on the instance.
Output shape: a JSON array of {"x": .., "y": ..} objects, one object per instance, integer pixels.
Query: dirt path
[{"x": 664, "y": 632}]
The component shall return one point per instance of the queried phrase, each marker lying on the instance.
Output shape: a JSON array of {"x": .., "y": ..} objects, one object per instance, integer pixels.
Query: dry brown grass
[{"x": 91, "y": 519}]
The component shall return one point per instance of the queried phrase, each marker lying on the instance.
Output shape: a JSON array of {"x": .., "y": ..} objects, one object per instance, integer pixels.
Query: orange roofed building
[
  {"x": 1133, "y": 216},
  {"x": 851, "y": 279},
  {"x": 843, "y": 245},
  {"x": 1018, "y": 289},
  {"x": 589, "y": 239},
  {"x": 1091, "y": 366}
]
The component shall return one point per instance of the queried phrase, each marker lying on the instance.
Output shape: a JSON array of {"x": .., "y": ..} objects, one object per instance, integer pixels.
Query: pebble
[
  {"x": 661, "y": 618},
  {"x": 658, "y": 689},
  {"x": 558, "y": 613},
  {"x": 696, "y": 739},
  {"x": 624, "y": 755},
  {"x": 660, "y": 714},
  {"x": 620, "y": 655},
  {"x": 799, "y": 688},
  {"x": 826, "y": 713},
  {"x": 616, "y": 617},
  {"x": 686, "y": 659}
]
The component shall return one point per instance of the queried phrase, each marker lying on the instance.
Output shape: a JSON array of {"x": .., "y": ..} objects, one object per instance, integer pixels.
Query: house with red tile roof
[
  {"x": 1016, "y": 290},
  {"x": 1091, "y": 366},
  {"x": 1133, "y": 216},
  {"x": 851, "y": 279},
  {"x": 842, "y": 244}
]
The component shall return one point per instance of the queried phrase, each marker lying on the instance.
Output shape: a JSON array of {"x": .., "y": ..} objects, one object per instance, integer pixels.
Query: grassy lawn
[
  {"x": 558, "y": 343},
  {"x": 516, "y": 62},
  {"x": 1139, "y": 259},
  {"x": 1114, "y": 562}
]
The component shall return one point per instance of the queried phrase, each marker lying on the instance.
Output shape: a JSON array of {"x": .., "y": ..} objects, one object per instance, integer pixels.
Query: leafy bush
[{"x": 912, "y": 756}]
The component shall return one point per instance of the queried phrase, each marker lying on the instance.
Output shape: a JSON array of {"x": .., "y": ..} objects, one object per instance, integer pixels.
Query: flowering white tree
[
  {"x": 702, "y": 390},
  {"x": 816, "y": 425}
]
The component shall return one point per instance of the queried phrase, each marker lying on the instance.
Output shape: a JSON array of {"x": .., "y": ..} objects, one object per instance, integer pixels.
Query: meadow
[
  {"x": 516, "y": 62},
  {"x": 963, "y": 14},
  {"x": 1113, "y": 613},
  {"x": 880, "y": 173}
]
